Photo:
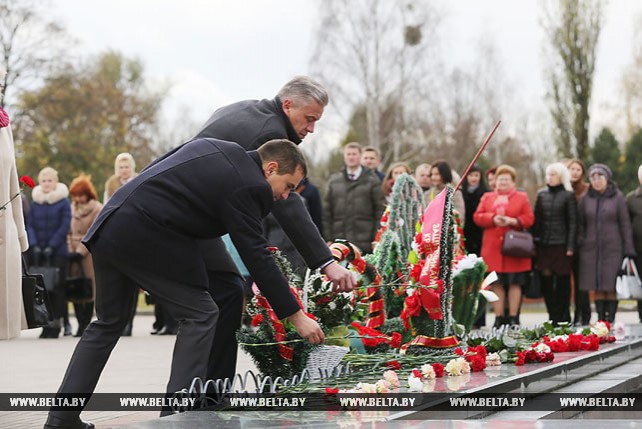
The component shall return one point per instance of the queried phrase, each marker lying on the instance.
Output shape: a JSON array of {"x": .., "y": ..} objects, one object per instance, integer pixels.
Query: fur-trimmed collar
[{"x": 60, "y": 192}]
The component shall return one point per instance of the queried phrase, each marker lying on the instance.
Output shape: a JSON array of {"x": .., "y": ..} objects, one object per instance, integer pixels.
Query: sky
[{"x": 215, "y": 52}]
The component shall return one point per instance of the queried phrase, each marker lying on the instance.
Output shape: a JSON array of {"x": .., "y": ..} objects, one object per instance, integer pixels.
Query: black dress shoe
[
  {"x": 168, "y": 331},
  {"x": 54, "y": 422}
]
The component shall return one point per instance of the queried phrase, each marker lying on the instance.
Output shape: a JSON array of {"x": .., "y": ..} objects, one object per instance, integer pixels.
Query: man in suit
[
  {"x": 147, "y": 235},
  {"x": 291, "y": 115}
]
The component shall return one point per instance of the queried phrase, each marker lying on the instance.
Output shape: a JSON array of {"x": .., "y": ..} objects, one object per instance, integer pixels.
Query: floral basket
[{"x": 323, "y": 359}]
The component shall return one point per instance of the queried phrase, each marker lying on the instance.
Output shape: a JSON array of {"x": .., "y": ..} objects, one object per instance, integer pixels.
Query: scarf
[
  {"x": 4, "y": 118},
  {"x": 501, "y": 202}
]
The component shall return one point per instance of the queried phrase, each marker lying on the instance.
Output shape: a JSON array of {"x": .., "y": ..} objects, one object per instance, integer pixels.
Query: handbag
[
  {"x": 51, "y": 275},
  {"x": 79, "y": 288},
  {"x": 518, "y": 244},
  {"x": 35, "y": 299},
  {"x": 628, "y": 284}
]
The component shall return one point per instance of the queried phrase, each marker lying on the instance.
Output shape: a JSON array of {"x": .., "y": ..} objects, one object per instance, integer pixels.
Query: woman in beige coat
[
  {"x": 13, "y": 238},
  {"x": 84, "y": 209}
]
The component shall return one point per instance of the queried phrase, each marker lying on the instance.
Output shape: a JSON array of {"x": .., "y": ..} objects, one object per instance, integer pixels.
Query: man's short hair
[
  {"x": 353, "y": 145},
  {"x": 372, "y": 149},
  {"x": 286, "y": 154},
  {"x": 304, "y": 88}
]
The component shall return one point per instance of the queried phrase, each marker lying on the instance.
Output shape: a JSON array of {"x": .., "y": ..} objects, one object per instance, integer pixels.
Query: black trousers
[
  {"x": 116, "y": 284},
  {"x": 227, "y": 291}
]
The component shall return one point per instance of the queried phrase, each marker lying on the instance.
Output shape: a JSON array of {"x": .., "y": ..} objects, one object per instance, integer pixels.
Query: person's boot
[
  {"x": 612, "y": 309},
  {"x": 127, "y": 332},
  {"x": 499, "y": 322},
  {"x": 600, "y": 307},
  {"x": 513, "y": 321},
  {"x": 54, "y": 422},
  {"x": 548, "y": 292}
]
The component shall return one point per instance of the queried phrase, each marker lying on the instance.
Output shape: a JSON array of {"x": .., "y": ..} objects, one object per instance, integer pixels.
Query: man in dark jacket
[
  {"x": 291, "y": 115},
  {"x": 354, "y": 202},
  {"x": 147, "y": 235}
]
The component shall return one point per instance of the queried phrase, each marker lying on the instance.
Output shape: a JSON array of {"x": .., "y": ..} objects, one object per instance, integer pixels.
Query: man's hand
[
  {"x": 307, "y": 328},
  {"x": 342, "y": 279}
]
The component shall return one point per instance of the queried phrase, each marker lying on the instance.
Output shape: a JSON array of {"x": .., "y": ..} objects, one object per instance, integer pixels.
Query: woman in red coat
[{"x": 499, "y": 211}]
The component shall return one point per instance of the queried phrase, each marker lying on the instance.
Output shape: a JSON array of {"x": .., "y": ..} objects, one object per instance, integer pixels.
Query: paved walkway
[{"x": 140, "y": 363}]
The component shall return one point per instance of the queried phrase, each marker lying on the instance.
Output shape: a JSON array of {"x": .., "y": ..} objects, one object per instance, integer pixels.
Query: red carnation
[
  {"x": 393, "y": 364},
  {"x": 478, "y": 363},
  {"x": 395, "y": 343},
  {"x": 417, "y": 373},
  {"x": 332, "y": 391},
  {"x": 415, "y": 271},
  {"x": 439, "y": 369},
  {"x": 28, "y": 181},
  {"x": 459, "y": 351},
  {"x": 256, "y": 320},
  {"x": 521, "y": 358}
]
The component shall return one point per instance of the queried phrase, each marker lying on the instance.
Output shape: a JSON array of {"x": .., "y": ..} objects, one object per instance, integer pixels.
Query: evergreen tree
[
  {"x": 606, "y": 150},
  {"x": 628, "y": 179}
]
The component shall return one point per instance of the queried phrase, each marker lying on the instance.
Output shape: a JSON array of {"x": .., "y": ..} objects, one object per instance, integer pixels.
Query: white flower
[
  {"x": 466, "y": 263},
  {"x": 367, "y": 387},
  {"x": 542, "y": 348},
  {"x": 391, "y": 378},
  {"x": 493, "y": 359},
  {"x": 381, "y": 386},
  {"x": 428, "y": 371},
  {"x": 415, "y": 384},
  {"x": 457, "y": 366},
  {"x": 600, "y": 329},
  {"x": 332, "y": 305}
]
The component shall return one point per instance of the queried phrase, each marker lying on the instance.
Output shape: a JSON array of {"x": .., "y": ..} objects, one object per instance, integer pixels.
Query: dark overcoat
[
  {"x": 201, "y": 190},
  {"x": 604, "y": 237},
  {"x": 251, "y": 123}
]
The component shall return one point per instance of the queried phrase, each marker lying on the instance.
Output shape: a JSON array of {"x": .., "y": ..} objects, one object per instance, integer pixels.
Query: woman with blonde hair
[
  {"x": 84, "y": 210},
  {"x": 555, "y": 232},
  {"x": 124, "y": 171},
  {"x": 500, "y": 211},
  {"x": 47, "y": 228}
]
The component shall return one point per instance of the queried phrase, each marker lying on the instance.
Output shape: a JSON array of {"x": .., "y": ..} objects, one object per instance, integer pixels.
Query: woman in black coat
[
  {"x": 555, "y": 231},
  {"x": 473, "y": 188}
]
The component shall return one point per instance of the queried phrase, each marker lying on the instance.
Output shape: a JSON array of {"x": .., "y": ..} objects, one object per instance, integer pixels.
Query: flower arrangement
[
  {"x": 274, "y": 345},
  {"x": 24, "y": 181}
]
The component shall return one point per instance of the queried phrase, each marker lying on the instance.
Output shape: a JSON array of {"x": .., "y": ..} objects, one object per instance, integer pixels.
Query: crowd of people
[
  {"x": 142, "y": 237},
  {"x": 582, "y": 231}
]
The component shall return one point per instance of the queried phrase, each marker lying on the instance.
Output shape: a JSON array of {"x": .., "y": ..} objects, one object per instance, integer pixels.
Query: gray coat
[
  {"x": 604, "y": 238},
  {"x": 353, "y": 208}
]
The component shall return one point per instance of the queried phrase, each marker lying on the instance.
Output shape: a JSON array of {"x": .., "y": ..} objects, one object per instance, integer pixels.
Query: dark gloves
[
  {"x": 75, "y": 257},
  {"x": 47, "y": 252}
]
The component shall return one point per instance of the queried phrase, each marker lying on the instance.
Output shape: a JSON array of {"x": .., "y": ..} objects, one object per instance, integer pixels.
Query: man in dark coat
[
  {"x": 291, "y": 115},
  {"x": 147, "y": 235},
  {"x": 354, "y": 202}
]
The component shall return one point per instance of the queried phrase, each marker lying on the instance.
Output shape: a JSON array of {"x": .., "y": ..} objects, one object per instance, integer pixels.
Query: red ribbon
[
  {"x": 376, "y": 310},
  {"x": 432, "y": 342},
  {"x": 285, "y": 351}
]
